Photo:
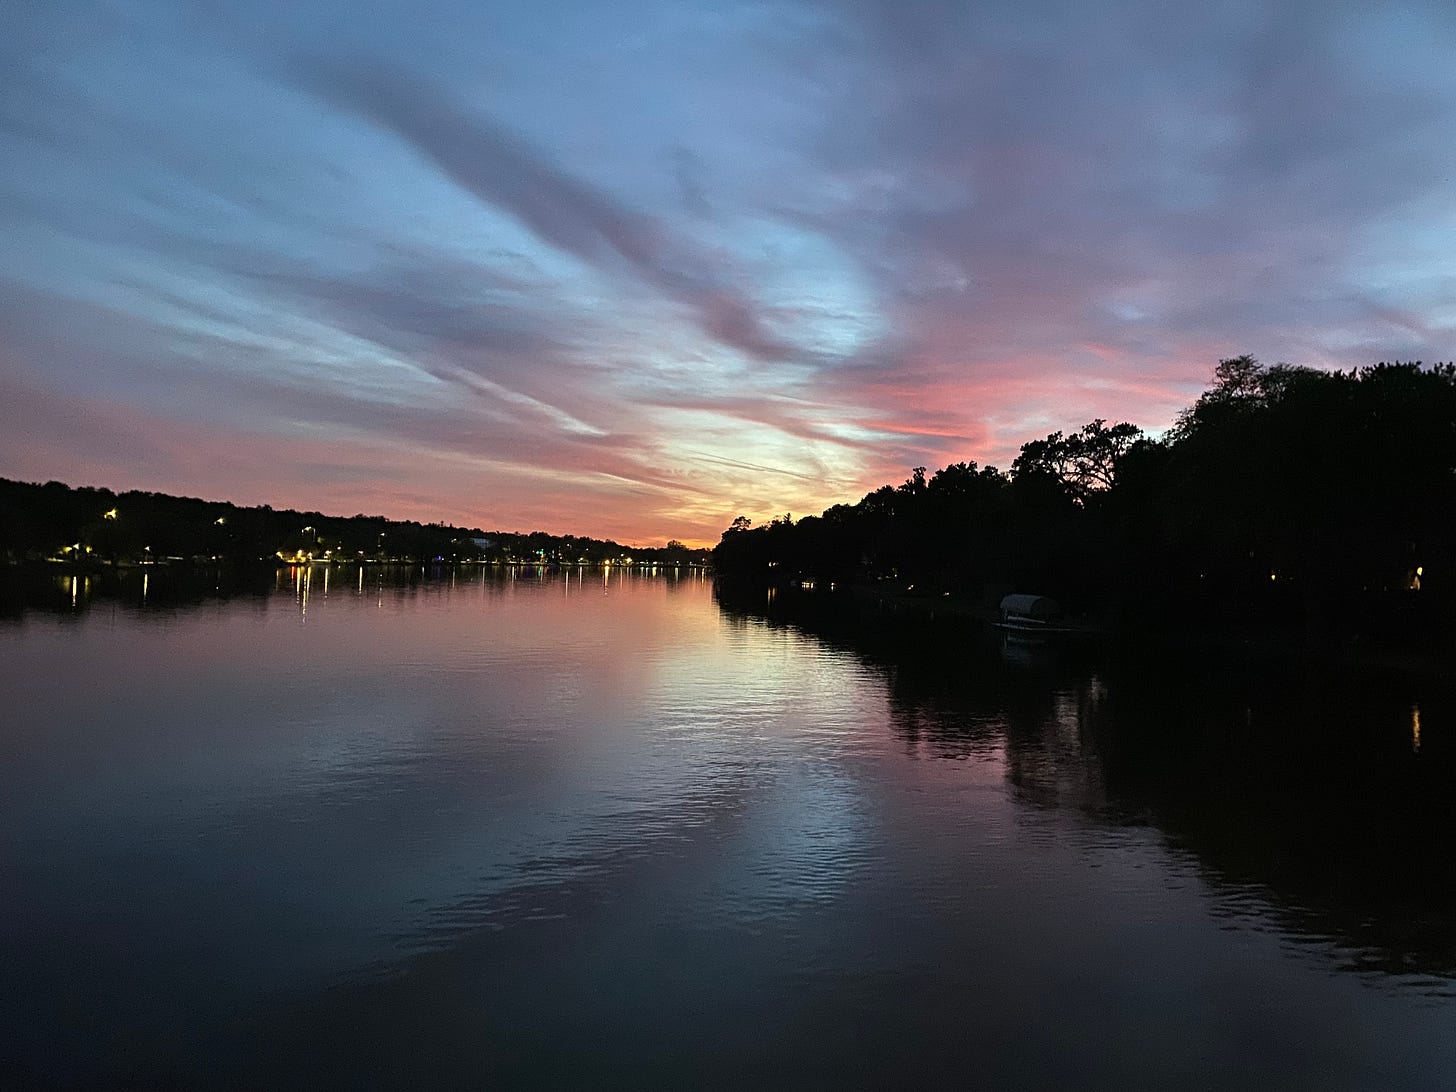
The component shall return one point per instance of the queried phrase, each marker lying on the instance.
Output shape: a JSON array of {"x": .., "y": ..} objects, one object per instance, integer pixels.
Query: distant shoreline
[
  {"x": 101, "y": 565},
  {"x": 87, "y": 526}
]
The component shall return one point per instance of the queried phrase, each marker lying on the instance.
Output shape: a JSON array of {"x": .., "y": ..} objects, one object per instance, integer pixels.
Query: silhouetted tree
[{"x": 1284, "y": 496}]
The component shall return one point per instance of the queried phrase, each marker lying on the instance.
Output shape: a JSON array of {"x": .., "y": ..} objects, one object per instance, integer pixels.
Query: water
[{"x": 596, "y": 829}]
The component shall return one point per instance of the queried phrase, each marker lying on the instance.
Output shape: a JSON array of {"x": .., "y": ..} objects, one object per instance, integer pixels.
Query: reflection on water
[
  {"x": 1306, "y": 798},
  {"x": 541, "y": 828}
]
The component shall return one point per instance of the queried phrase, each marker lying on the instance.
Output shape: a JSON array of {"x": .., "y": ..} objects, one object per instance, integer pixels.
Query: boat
[{"x": 1032, "y": 614}]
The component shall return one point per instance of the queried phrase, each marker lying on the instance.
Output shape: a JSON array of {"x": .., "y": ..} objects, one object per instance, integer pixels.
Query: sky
[{"x": 631, "y": 269}]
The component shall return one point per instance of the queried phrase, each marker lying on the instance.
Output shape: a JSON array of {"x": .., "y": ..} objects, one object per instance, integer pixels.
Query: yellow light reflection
[{"x": 1416, "y": 729}]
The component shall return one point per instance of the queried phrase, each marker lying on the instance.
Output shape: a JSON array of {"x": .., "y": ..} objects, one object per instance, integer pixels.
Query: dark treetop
[{"x": 1285, "y": 498}]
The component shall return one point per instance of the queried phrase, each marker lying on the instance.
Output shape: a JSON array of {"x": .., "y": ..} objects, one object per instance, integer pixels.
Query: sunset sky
[{"x": 631, "y": 269}]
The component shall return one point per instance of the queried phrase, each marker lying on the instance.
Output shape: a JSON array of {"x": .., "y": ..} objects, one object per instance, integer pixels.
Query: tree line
[
  {"x": 1284, "y": 496},
  {"x": 95, "y": 526}
]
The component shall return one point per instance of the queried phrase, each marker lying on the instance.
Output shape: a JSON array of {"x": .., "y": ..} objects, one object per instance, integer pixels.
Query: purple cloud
[
  {"x": 655, "y": 266},
  {"x": 502, "y": 170}
]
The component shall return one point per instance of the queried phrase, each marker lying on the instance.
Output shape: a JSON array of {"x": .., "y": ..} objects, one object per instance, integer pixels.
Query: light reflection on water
[{"x": 539, "y": 826}]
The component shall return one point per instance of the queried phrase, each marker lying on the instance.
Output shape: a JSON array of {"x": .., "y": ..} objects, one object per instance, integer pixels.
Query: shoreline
[{"x": 1435, "y": 664}]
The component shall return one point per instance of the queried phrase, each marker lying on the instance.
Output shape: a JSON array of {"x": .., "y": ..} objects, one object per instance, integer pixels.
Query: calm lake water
[{"x": 593, "y": 829}]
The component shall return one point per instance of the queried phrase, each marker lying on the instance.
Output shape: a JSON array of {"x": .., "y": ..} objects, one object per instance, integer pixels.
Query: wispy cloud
[
  {"x": 503, "y": 170},
  {"x": 636, "y": 271}
]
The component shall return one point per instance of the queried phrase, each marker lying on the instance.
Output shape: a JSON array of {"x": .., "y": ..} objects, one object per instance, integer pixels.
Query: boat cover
[{"x": 1031, "y": 606}]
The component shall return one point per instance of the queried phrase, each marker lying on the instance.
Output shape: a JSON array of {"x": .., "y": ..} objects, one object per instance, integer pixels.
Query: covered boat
[{"x": 1031, "y": 614}]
